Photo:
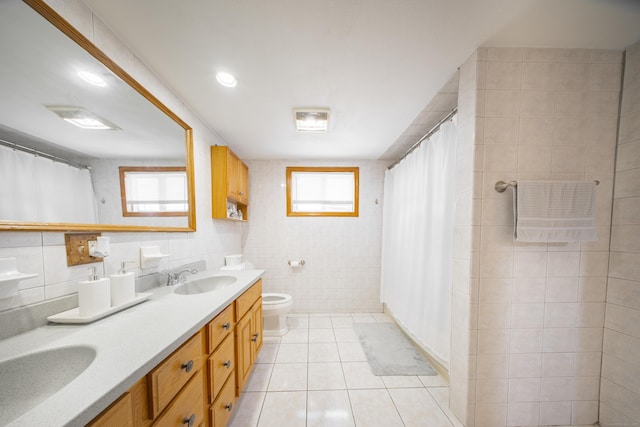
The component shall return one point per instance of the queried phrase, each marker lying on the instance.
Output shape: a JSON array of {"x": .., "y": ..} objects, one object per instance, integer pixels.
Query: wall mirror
[{"x": 69, "y": 119}]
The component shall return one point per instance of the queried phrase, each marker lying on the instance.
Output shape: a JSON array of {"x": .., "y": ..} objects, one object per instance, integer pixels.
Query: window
[
  {"x": 322, "y": 191},
  {"x": 154, "y": 191}
]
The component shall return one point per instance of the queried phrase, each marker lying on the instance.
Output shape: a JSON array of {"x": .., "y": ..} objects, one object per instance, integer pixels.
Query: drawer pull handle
[
  {"x": 187, "y": 366},
  {"x": 226, "y": 326},
  {"x": 229, "y": 406},
  {"x": 190, "y": 421},
  {"x": 255, "y": 337},
  {"x": 227, "y": 364}
]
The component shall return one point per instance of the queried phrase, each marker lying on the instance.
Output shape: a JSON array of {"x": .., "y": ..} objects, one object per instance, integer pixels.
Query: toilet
[{"x": 275, "y": 306}]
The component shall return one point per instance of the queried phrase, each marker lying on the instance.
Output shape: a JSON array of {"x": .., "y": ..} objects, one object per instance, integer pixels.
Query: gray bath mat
[{"x": 389, "y": 352}]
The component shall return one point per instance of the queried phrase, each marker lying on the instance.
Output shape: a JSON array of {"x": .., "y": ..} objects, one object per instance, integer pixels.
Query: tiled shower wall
[
  {"x": 536, "y": 311},
  {"x": 342, "y": 255},
  {"x": 620, "y": 389},
  {"x": 44, "y": 253}
]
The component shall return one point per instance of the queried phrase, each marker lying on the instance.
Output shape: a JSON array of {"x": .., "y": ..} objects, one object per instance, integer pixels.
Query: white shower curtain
[
  {"x": 417, "y": 241},
  {"x": 36, "y": 189}
]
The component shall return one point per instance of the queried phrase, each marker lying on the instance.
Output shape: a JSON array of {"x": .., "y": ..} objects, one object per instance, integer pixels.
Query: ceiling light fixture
[
  {"x": 311, "y": 119},
  {"x": 92, "y": 78},
  {"x": 82, "y": 118},
  {"x": 226, "y": 79}
]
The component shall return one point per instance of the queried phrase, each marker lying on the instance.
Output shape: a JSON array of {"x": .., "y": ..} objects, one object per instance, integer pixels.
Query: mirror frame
[{"x": 40, "y": 7}]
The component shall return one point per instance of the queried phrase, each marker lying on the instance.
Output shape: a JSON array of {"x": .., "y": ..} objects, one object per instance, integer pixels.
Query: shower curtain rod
[
  {"x": 37, "y": 153},
  {"x": 426, "y": 136}
]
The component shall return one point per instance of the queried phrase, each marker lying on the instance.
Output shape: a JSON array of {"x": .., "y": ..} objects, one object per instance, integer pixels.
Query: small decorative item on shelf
[
  {"x": 10, "y": 277},
  {"x": 150, "y": 256}
]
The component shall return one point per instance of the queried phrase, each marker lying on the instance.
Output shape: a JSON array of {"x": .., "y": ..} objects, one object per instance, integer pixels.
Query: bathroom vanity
[{"x": 177, "y": 359}]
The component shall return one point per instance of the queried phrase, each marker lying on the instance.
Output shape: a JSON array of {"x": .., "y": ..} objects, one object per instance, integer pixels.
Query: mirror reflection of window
[
  {"x": 322, "y": 191},
  {"x": 154, "y": 191}
]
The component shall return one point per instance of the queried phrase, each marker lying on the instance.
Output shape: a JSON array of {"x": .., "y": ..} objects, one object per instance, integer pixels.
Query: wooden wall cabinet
[
  {"x": 229, "y": 182},
  {"x": 248, "y": 332}
]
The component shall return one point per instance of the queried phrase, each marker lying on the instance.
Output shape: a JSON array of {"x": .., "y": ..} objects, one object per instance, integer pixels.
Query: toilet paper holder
[{"x": 296, "y": 263}]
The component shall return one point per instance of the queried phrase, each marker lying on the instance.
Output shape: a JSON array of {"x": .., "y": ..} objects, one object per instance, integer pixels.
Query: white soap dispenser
[
  {"x": 123, "y": 285},
  {"x": 94, "y": 295}
]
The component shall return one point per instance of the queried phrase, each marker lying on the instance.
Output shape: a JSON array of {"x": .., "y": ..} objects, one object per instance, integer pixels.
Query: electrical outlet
[{"x": 79, "y": 248}]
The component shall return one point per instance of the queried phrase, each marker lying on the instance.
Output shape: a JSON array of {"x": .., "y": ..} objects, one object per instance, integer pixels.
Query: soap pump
[
  {"x": 94, "y": 295},
  {"x": 123, "y": 285}
]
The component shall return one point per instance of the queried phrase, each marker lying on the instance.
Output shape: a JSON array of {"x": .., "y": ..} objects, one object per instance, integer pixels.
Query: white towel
[{"x": 555, "y": 211}]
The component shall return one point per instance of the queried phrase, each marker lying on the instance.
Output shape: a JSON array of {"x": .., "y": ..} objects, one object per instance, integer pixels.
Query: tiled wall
[
  {"x": 342, "y": 255},
  {"x": 620, "y": 388},
  {"x": 463, "y": 331},
  {"x": 44, "y": 253},
  {"x": 537, "y": 310}
]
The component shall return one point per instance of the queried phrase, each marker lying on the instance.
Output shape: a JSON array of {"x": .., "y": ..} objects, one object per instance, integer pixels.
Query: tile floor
[{"x": 317, "y": 375}]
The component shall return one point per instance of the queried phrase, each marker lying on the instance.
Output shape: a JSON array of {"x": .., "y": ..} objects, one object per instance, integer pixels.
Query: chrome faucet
[{"x": 175, "y": 278}]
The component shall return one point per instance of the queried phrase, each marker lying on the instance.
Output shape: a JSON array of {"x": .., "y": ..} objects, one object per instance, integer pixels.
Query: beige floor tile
[
  {"x": 284, "y": 409},
  {"x": 326, "y": 376},
  {"x": 345, "y": 335},
  {"x": 247, "y": 411},
  {"x": 297, "y": 322},
  {"x": 320, "y": 322},
  {"x": 418, "y": 408},
  {"x": 374, "y": 408},
  {"x": 288, "y": 377},
  {"x": 321, "y": 335},
  {"x": 268, "y": 353},
  {"x": 358, "y": 376},
  {"x": 292, "y": 353},
  {"x": 296, "y": 336},
  {"x": 440, "y": 394},
  {"x": 433, "y": 381},
  {"x": 351, "y": 352},
  {"x": 342, "y": 322},
  {"x": 259, "y": 378},
  {"x": 402, "y": 381},
  {"x": 323, "y": 352},
  {"x": 329, "y": 409}
]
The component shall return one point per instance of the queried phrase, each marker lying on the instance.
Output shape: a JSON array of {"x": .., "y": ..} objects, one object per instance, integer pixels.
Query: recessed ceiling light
[
  {"x": 226, "y": 79},
  {"x": 82, "y": 118},
  {"x": 92, "y": 78},
  {"x": 311, "y": 119}
]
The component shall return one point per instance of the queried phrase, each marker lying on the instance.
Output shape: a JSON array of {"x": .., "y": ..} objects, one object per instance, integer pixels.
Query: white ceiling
[{"x": 375, "y": 63}]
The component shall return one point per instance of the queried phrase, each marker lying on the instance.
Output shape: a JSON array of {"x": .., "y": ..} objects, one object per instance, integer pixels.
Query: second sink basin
[
  {"x": 206, "y": 284},
  {"x": 29, "y": 380}
]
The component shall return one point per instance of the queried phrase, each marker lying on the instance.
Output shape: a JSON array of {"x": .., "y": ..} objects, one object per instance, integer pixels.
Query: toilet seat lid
[{"x": 275, "y": 298}]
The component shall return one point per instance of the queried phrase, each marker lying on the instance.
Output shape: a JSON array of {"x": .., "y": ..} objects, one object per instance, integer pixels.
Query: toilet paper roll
[
  {"x": 123, "y": 288},
  {"x": 94, "y": 297}
]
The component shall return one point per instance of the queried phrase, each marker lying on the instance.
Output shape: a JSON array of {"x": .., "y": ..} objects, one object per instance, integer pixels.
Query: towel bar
[{"x": 502, "y": 186}]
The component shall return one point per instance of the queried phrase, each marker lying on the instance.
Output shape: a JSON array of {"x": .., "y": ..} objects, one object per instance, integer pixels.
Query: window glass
[
  {"x": 154, "y": 191},
  {"x": 325, "y": 191}
]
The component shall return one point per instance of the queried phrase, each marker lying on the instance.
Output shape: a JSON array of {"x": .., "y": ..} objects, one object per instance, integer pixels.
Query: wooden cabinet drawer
[
  {"x": 248, "y": 298},
  {"x": 219, "y": 328},
  {"x": 221, "y": 365},
  {"x": 173, "y": 373},
  {"x": 118, "y": 414},
  {"x": 189, "y": 405},
  {"x": 224, "y": 405}
]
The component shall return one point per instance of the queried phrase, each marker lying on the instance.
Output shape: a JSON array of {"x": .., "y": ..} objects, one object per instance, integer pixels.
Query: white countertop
[{"x": 128, "y": 345}]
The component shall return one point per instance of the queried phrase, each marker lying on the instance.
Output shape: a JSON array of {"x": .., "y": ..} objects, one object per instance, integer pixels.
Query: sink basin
[
  {"x": 206, "y": 284},
  {"x": 30, "y": 379}
]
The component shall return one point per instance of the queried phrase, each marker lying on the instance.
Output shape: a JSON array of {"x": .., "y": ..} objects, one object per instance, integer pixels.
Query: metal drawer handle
[
  {"x": 227, "y": 364},
  {"x": 226, "y": 326},
  {"x": 229, "y": 406},
  {"x": 255, "y": 337},
  {"x": 187, "y": 366},
  {"x": 190, "y": 421}
]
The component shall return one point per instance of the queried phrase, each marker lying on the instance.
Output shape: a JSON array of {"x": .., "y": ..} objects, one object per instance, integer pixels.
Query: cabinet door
[
  {"x": 244, "y": 350},
  {"x": 232, "y": 176},
  {"x": 118, "y": 414},
  {"x": 256, "y": 334},
  {"x": 243, "y": 182}
]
